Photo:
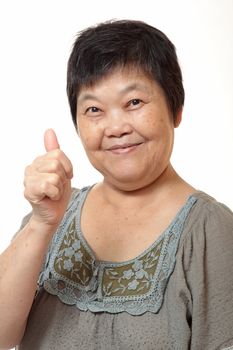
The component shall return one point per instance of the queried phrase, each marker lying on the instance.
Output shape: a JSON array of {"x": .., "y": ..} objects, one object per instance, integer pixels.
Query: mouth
[{"x": 124, "y": 148}]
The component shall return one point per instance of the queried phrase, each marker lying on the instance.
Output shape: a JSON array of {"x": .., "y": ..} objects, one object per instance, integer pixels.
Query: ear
[
  {"x": 77, "y": 124},
  {"x": 178, "y": 118},
  {"x": 77, "y": 129}
]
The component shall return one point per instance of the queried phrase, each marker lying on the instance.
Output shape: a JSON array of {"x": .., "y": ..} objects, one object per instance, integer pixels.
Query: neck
[{"x": 158, "y": 191}]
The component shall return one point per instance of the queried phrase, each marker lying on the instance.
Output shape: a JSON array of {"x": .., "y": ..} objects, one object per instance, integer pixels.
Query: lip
[{"x": 123, "y": 148}]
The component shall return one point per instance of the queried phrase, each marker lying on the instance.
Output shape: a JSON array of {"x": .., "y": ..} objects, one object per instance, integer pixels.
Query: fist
[{"x": 47, "y": 182}]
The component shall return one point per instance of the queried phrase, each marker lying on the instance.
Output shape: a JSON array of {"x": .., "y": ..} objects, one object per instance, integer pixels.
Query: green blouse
[
  {"x": 136, "y": 286},
  {"x": 176, "y": 295}
]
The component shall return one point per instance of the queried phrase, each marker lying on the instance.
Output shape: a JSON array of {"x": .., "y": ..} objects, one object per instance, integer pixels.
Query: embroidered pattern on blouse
[
  {"x": 136, "y": 286},
  {"x": 73, "y": 261},
  {"x": 226, "y": 346},
  {"x": 131, "y": 279}
]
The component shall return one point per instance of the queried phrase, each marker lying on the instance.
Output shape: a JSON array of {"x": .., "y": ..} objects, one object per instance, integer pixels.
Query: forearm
[
  {"x": 47, "y": 184},
  {"x": 20, "y": 265}
]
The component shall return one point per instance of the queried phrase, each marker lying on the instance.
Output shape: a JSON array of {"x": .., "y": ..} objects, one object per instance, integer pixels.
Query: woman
[{"x": 142, "y": 259}]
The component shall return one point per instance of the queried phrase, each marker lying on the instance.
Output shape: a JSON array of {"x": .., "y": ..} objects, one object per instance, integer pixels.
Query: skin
[
  {"x": 48, "y": 183},
  {"x": 127, "y": 131},
  {"x": 48, "y": 189}
]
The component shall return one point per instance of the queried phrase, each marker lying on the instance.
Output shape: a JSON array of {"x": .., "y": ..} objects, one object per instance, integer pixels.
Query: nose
[{"x": 117, "y": 125}]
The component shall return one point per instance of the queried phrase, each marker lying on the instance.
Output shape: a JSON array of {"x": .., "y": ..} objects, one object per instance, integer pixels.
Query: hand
[{"x": 48, "y": 183}]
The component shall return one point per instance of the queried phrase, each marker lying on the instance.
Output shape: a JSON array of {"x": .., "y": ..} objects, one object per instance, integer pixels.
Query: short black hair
[{"x": 99, "y": 49}]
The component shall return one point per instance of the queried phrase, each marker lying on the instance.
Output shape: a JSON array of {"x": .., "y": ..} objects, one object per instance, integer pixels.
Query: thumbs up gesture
[{"x": 48, "y": 183}]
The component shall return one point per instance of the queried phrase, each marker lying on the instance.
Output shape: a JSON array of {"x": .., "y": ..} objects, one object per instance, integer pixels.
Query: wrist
[{"x": 41, "y": 228}]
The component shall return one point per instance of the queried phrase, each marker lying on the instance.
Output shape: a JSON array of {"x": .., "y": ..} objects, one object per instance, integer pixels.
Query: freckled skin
[
  {"x": 115, "y": 120},
  {"x": 127, "y": 130}
]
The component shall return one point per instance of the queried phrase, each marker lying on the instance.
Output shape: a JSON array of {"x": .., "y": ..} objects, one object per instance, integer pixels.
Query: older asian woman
[{"x": 142, "y": 259}]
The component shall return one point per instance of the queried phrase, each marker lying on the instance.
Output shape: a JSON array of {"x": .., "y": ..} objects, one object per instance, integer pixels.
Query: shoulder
[
  {"x": 208, "y": 231},
  {"x": 211, "y": 205},
  {"x": 209, "y": 216}
]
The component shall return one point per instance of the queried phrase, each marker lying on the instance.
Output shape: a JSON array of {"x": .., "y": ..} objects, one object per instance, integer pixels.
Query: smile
[{"x": 124, "y": 148}]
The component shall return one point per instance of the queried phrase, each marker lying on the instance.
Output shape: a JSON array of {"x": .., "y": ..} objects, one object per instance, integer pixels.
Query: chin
[{"x": 127, "y": 183}]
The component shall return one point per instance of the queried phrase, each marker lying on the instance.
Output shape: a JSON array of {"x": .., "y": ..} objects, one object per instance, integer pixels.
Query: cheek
[
  {"x": 90, "y": 137},
  {"x": 153, "y": 127},
  {"x": 161, "y": 132}
]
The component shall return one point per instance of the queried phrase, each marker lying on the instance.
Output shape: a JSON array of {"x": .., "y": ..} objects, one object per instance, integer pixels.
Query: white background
[{"x": 35, "y": 39}]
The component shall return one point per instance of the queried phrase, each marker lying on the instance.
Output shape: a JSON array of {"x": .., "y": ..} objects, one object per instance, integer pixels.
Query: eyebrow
[
  {"x": 87, "y": 96},
  {"x": 127, "y": 89}
]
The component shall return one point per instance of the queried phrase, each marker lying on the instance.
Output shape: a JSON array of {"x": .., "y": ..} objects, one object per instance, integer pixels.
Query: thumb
[{"x": 50, "y": 140}]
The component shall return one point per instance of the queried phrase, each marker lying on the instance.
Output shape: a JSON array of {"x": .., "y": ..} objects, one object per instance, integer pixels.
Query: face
[{"x": 126, "y": 128}]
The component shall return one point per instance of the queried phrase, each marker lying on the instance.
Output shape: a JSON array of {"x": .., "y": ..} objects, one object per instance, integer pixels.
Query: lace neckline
[
  {"x": 83, "y": 195},
  {"x": 136, "y": 286}
]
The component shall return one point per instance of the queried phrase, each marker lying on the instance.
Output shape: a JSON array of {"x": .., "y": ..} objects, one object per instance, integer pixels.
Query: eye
[
  {"x": 92, "y": 109},
  {"x": 134, "y": 104}
]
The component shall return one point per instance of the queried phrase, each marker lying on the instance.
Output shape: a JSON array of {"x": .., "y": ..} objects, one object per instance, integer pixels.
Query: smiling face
[{"x": 126, "y": 128}]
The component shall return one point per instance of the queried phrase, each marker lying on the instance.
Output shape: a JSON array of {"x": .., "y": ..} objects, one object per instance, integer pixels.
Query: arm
[
  {"x": 210, "y": 279},
  {"x": 20, "y": 266},
  {"x": 47, "y": 187}
]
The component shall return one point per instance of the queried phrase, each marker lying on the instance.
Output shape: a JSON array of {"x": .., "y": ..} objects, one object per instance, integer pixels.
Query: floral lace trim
[
  {"x": 136, "y": 286},
  {"x": 228, "y": 345}
]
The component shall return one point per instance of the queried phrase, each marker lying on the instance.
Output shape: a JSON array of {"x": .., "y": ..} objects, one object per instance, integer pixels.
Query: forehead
[{"x": 122, "y": 81}]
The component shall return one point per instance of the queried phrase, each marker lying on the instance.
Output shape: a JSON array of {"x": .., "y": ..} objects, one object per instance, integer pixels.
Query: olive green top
[{"x": 177, "y": 294}]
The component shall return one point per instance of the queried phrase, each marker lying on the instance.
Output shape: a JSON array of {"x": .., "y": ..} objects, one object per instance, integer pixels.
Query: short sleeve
[
  {"x": 208, "y": 263},
  {"x": 24, "y": 222}
]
